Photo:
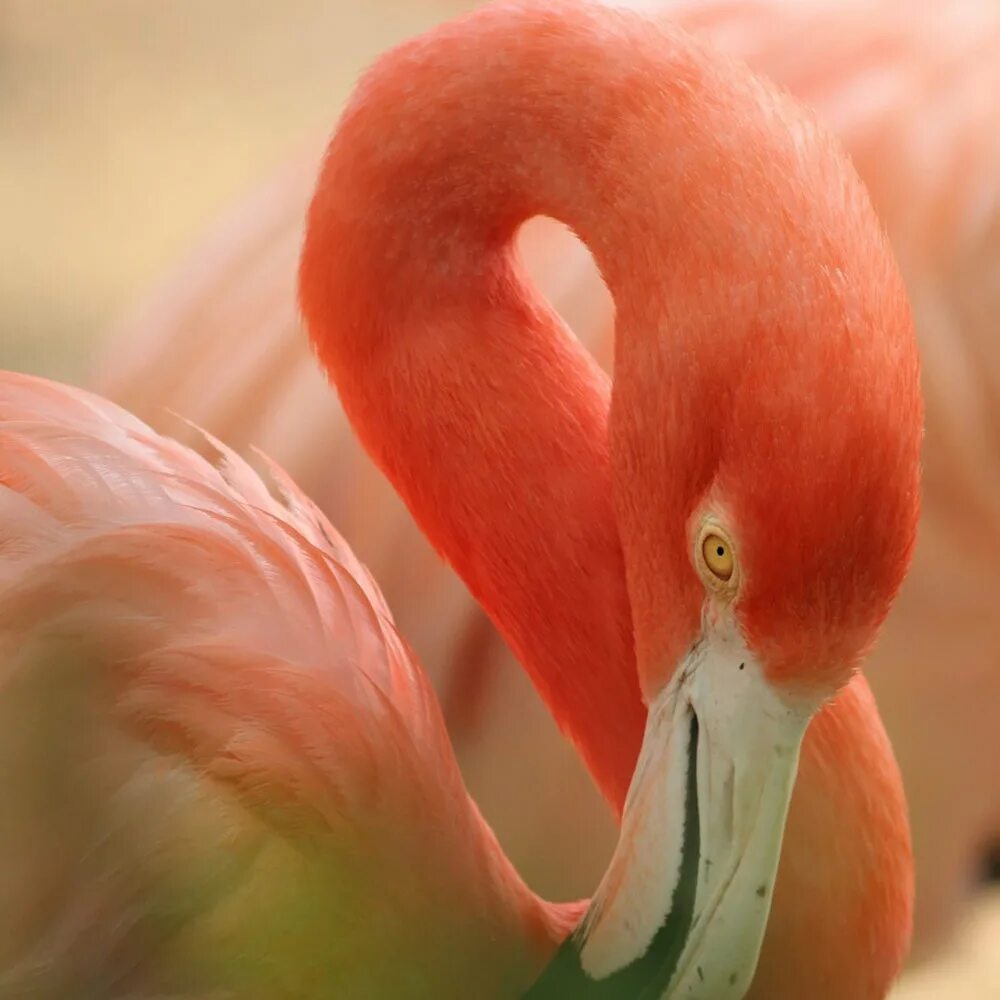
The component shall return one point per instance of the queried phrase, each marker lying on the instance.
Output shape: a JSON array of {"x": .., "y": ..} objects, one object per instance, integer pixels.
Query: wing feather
[{"x": 225, "y": 771}]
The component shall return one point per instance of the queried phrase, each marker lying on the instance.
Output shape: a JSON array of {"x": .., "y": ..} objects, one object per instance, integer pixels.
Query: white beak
[{"x": 682, "y": 909}]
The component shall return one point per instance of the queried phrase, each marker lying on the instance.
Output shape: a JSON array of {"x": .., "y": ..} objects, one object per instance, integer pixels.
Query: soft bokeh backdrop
[{"x": 127, "y": 125}]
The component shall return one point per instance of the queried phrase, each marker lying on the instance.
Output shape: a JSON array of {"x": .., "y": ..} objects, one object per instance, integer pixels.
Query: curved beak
[{"x": 682, "y": 909}]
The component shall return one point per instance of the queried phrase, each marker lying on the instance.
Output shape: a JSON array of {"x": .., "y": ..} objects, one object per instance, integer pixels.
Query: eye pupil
[{"x": 720, "y": 551}]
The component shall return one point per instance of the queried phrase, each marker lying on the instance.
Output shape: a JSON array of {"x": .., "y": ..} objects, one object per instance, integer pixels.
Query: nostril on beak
[{"x": 989, "y": 865}]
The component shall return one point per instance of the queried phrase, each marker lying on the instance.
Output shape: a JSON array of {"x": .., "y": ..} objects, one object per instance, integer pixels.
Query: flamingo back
[{"x": 222, "y": 765}]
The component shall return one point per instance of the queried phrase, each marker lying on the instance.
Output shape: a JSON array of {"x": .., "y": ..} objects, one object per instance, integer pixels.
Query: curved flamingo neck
[
  {"x": 466, "y": 388},
  {"x": 492, "y": 422},
  {"x": 489, "y": 419},
  {"x": 492, "y": 425}
]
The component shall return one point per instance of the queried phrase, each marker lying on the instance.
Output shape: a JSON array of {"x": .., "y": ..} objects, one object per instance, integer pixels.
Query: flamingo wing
[{"x": 222, "y": 767}]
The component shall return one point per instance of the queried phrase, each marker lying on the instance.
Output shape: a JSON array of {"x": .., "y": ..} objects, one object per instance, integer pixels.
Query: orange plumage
[
  {"x": 317, "y": 837},
  {"x": 909, "y": 92},
  {"x": 406, "y": 271}
]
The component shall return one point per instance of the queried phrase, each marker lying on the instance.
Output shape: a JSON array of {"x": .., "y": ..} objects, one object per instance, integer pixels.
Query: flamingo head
[{"x": 765, "y": 432}]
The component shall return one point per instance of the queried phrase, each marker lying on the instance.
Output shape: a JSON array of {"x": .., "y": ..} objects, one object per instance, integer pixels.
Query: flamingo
[
  {"x": 691, "y": 565},
  {"x": 910, "y": 94}
]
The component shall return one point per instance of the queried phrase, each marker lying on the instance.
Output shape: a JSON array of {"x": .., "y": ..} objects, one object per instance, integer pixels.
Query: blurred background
[
  {"x": 129, "y": 127},
  {"x": 126, "y": 127}
]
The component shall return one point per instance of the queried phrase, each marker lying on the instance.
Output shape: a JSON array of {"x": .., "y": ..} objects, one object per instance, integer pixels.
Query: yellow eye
[{"x": 718, "y": 556}]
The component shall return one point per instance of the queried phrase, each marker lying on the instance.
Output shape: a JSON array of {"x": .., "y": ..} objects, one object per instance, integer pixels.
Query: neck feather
[
  {"x": 488, "y": 417},
  {"x": 465, "y": 387}
]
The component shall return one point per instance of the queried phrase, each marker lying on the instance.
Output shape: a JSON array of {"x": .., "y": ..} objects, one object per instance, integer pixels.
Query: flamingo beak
[{"x": 683, "y": 907}]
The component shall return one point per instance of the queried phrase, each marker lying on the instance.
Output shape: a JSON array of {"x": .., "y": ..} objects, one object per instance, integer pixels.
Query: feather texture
[{"x": 214, "y": 736}]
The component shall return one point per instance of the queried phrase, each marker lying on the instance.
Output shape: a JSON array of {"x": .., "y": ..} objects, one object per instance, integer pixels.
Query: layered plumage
[{"x": 222, "y": 764}]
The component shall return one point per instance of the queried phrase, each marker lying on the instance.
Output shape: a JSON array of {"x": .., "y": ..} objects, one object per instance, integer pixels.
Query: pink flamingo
[
  {"x": 910, "y": 92},
  {"x": 723, "y": 532}
]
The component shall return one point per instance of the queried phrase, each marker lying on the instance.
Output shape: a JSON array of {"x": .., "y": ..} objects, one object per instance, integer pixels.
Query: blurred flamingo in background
[
  {"x": 911, "y": 91},
  {"x": 245, "y": 782}
]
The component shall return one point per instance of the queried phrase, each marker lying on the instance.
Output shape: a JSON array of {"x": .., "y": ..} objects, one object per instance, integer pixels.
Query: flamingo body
[
  {"x": 910, "y": 94},
  {"x": 583, "y": 535}
]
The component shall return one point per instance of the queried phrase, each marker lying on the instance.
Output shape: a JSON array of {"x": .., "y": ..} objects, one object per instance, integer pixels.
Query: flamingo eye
[{"x": 718, "y": 556}]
